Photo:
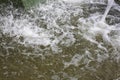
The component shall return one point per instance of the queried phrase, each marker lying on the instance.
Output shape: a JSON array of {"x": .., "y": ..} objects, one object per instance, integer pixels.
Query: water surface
[{"x": 60, "y": 40}]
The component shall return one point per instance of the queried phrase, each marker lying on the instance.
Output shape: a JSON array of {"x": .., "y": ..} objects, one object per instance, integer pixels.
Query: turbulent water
[{"x": 61, "y": 40}]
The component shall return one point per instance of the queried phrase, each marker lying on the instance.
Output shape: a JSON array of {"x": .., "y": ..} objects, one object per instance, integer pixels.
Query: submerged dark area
[{"x": 15, "y": 3}]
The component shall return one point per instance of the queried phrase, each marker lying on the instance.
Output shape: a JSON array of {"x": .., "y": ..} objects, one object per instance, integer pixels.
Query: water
[
  {"x": 61, "y": 40},
  {"x": 110, "y": 3}
]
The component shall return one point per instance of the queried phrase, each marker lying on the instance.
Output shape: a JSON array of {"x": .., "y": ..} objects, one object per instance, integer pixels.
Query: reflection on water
[{"x": 60, "y": 41}]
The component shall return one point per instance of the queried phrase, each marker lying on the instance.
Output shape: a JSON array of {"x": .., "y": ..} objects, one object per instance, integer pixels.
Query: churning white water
[
  {"x": 50, "y": 25},
  {"x": 65, "y": 40}
]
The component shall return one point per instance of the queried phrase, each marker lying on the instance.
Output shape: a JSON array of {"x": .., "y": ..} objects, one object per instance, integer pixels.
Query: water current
[{"x": 61, "y": 40}]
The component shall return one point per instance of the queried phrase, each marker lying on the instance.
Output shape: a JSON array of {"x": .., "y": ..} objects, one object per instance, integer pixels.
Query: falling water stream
[
  {"x": 109, "y": 5},
  {"x": 61, "y": 40}
]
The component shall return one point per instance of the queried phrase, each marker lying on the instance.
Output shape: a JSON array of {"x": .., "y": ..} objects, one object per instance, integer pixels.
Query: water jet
[{"x": 110, "y": 4}]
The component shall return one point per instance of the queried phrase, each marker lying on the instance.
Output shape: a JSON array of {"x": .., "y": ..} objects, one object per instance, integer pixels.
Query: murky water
[{"x": 61, "y": 40}]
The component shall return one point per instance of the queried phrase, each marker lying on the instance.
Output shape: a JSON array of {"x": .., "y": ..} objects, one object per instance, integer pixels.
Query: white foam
[{"x": 58, "y": 30}]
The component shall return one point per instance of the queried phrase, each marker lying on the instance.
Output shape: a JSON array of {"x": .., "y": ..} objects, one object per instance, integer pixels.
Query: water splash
[
  {"x": 85, "y": 44},
  {"x": 50, "y": 25},
  {"x": 109, "y": 5}
]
